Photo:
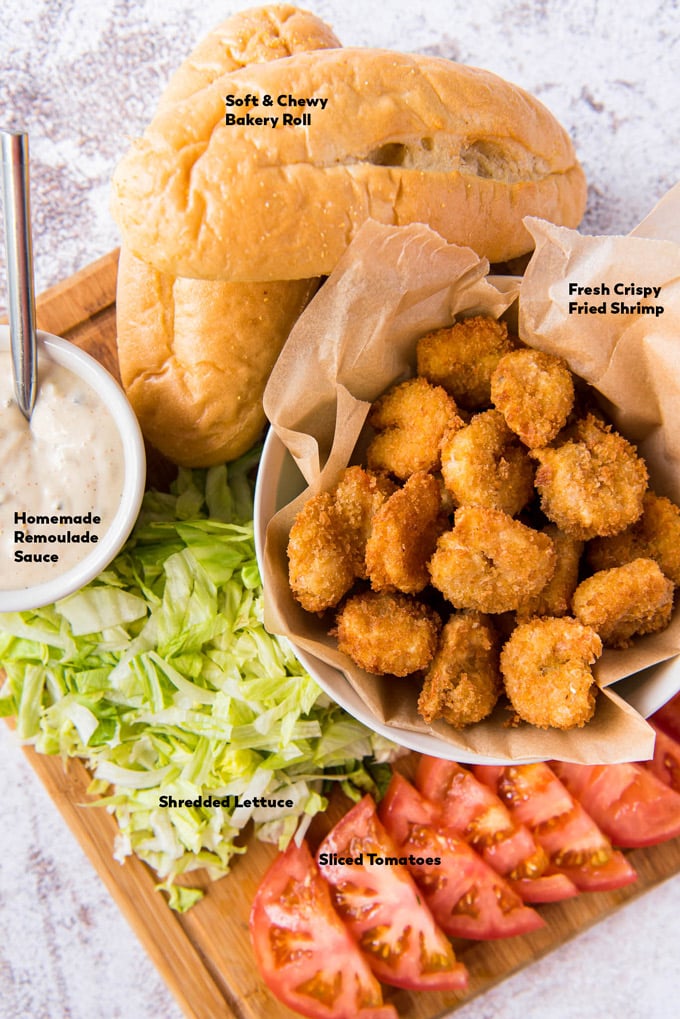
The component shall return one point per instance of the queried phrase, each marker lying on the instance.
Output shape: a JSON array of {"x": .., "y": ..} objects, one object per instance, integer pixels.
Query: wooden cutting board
[{"x": 204, "y": 955}]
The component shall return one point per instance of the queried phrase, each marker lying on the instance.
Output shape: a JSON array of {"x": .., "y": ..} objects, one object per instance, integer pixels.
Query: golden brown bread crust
[
  {"x": 195, "y": 355},
  {"x": 403, "y": 138}
]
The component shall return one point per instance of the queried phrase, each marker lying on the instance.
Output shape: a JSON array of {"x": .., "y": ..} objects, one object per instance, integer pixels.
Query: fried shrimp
[
  {"x": 327, "y": 542},
  {"x": 411, "y": 420},
  {"x": 387, "y": 633},
  {"x": 555, "y": 598},
  {"x": 535, "y": 393},
  {"x": 463, "y": 358},
  {"x": 594, "y": 483},
  {"x": 484, "y": 464},
  {"x": 403, "y": 536},
  {"x": 655, "y": 535},
  {"x": 625, "y": 601},
  {"x": 546, "y": 668},
  {"x": 490, "y": 562},
  {"x": 463, "y": 682}
]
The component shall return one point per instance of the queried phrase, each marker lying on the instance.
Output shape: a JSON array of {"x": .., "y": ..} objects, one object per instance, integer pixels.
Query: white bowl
[
  {"x": 110, "y": 542},
  {"x": 278, "y": 482}
]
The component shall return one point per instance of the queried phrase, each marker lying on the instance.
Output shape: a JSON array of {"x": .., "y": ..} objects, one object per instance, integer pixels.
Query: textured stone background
[{"x": 82, "y": 78}]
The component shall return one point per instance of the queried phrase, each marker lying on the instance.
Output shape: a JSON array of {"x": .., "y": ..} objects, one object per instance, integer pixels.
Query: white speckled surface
[{"x": 82, "y": 78}]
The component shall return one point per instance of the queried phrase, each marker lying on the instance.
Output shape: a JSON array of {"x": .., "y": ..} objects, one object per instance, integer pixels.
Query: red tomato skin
[
  {"x": 665, "y": 763},
  {"x": 466, "y": 897},
  {"x": 667, "y": 718},
  {"x": 476, "y": 814},
  {"x": 292, "y": 914},
  {"x": 629, "y": 803},
  {"x": 574, "y": 843},
  {"x": 382, "y": 907}
]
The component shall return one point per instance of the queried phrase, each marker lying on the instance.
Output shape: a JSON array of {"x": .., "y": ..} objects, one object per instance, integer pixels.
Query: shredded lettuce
[{"x": 161, "y": 677}]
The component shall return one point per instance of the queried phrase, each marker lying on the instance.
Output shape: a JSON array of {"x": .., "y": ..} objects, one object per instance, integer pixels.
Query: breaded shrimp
[
  {"x": 484, "y": 464},
  {"x": 592, "y": 484},
  {"x": 535, "y": 393},
  {"x": 655, "y": 535},
  {"x": 463, "y": 682},
  {"x": 327, "y": 542},
  {"x": 625, "y": 601},
  {"x": 462, "y": 358},
  {"x": 403, "y": 536},
  {"x": 546, "y": 668},
  {"x": 490, "y": 562},
  {"x": 555, "y": 598},
  {"x": 321, "y": 565},
  {"x": 411, "y": 419},
  {"x": 386, "y": 633}
]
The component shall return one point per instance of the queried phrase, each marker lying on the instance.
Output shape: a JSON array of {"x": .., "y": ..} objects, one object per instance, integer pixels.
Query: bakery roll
[
  {"x": 400, "y": 138},
  {"x": 195, "y": 355}
]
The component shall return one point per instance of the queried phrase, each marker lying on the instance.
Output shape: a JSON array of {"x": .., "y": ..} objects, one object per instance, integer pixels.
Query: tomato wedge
[
  {"x": 665, "y": 763},
  {"x": 466, "y": 897},
  {"x": 629, "y": 803},
  {"x": 303, "y": 950},
  {"x": 575, "y": 845},
  {"x": 667, "y": 718},
  {"x": 377, "y": 898},
  {"x": 478, "y": 816}
]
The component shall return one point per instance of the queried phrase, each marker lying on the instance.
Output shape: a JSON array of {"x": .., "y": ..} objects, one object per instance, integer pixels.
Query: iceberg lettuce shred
[{"x": 160, "y": 676}]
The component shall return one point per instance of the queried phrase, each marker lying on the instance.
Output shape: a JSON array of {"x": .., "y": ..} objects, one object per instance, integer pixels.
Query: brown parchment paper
[{"x": 358, "y": 336}]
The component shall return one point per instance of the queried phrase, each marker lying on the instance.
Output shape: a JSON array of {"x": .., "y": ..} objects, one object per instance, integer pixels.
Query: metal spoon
[{"x": 20, "y": 286}]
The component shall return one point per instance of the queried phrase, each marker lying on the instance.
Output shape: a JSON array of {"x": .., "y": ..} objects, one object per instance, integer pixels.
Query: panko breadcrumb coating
[
  {"x": 484, "y": 464},
  {"x": 411, "y": 419},
  {"x": 592, "y": 484},
  {"x": 403, "y": 536},
  {"x": 490, "y": 562},
  {"x": 546, "y": 669},
  {"x": 555, "y": 598},
  {"x": 387, "y": 633},
  {"x": 463, "y": 358},
  {"x": 625, "y": 601},
  {"x": 535, "y": 393},
  {"x": 655, "y": 535},
  {"x": 463, "y": 682},
  {"x": 327, "y": 542}
]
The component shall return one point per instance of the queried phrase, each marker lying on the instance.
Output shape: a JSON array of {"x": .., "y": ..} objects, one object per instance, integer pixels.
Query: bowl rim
[{"x": 86, "y": 367}]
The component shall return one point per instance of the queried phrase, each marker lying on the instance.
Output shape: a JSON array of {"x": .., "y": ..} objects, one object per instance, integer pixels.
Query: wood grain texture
[{"x": 204, "y": 955}]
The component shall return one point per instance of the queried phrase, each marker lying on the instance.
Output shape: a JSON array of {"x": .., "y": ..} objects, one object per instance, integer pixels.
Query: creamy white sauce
[{"x": 61, "y": 476}]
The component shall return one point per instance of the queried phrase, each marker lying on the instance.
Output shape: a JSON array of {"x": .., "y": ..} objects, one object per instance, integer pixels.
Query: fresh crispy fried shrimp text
[
  {"x": 484, "y": 464},
  {"x": 534, "y": 391},
  {"x": 555, "y": 598},
  {"x": 403, "y": 536},
  {"x": 411, "y": 419},
  {"x": 490, "y": 562},
  {"x": 655, "y": 535},
  {"x": 387, "y": 633},
  {"x": 625, "y": 601},
  {"x": 546, "y": 672},
  {"x": 463, "y": 358},
  {"x": 594, "y": 483},
  {"x": 463, "y": 682}
]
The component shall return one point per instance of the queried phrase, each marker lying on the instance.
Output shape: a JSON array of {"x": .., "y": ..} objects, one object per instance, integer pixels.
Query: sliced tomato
[
  {"x": 377, "y": 898},
  {"x": 575, "y": 845},
  {"x": 667, "y": 718},
  {"x": 304, "y": 951},
  {"x": 477, "y": 815},
  {"x": 629, "y": 803},
  {"x": 665, "y": 763},
  {"x": 466, "y": 897}
]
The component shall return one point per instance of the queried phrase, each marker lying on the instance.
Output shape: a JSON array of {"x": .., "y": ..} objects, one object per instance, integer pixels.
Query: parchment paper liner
[{"x": 358, "y": 336}]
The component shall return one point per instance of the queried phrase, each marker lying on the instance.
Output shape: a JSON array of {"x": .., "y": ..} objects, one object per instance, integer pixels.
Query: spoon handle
[{"x": 21, "y": 293}]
